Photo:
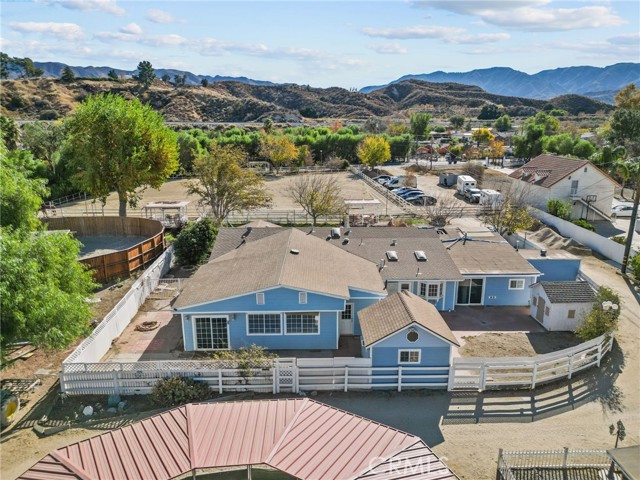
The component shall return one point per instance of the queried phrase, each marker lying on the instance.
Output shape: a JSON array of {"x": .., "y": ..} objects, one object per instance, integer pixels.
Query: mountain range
[{"x": 599, "y": 83}]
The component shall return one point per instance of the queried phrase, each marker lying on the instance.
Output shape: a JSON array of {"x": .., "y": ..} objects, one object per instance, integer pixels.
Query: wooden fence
[
  {"x": 526, "y": 372},
  {"x": 512, "y": 465}
]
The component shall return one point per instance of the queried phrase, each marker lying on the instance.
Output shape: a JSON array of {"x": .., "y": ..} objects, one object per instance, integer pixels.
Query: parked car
[
  {"x": 407, "y": 190},
  {"x": 393, "y": 182},
  {"x": 423, "y": 200},
  {"x": 400, "y": 190},
  {"x": 382, "y": 178},
  {"x": 472, "y": 195},
  {"x": 411, "y": 193},
  {"x": 410, "y": 196},
  {"x": 622, "y": 210}
]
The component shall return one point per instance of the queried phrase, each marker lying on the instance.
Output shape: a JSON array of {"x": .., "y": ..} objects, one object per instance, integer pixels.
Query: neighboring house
[
  {"x": 405, "y": 330},
  {"x": 553, "y": 265},
  {"x": 408, "y": 258},
  {"x": 561, "y": 306},
  {"x": 589, "y": 189},
  {"x": 493, "y": 272},
  {"x": 277, "y": 288},
  {"x": 295, "y": 438}
]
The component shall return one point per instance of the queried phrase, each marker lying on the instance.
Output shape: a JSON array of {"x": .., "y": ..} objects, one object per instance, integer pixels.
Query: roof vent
[
  {"x": 394, "y": 242},
  {"x": 246, "y": 234},
  {"x": 392, "y": 255},
  {"x": 294, "y": 251},
  {"x": 441, "y": 231},
  {"x": 347, "y": 232},
  {"x": 345, "y": 241},
  {"x": 420, "y": 255},
  {"x": 335, "y": 232},
  {"x": 543, "y": 253}
]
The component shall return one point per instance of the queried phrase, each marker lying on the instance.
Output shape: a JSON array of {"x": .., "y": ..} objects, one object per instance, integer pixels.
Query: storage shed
[
  {"x": 404, "y": 330},
  {"x": 561, "y": 306}
]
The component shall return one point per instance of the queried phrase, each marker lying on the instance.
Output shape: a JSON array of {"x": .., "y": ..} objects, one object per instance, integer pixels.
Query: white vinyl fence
[
  {"x": 96, "y": 345},
  {"x": 526, "y": 372},
  {"x": 511, "y": 463},
  {"x": 595, "y": 242}
]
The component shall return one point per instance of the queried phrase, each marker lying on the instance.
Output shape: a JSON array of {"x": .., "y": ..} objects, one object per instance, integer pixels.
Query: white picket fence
[
  {"x": 526, "y": 372},
  {"x": 510, "y": 463},
  {"x": 96, "y": 345}
]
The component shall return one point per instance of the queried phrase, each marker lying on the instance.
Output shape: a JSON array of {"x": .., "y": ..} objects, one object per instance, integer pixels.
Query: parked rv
[
  {"x": 490, "y": 198},
  {"x": 464, "y": 182},
  {"x": 472, "y": 195}
]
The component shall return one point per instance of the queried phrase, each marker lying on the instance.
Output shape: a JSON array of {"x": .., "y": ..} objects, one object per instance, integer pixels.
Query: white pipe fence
[
  {"x": 510, "y": 463},
  {"x": 526, "y": 372}
]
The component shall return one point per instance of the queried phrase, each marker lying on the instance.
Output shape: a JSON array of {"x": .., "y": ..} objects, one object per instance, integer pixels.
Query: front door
[
  {"x": 540, "y": 310},
  {"x": 470, "y": 291},
  {"x": 346, "y": 320},
  {"x": 212, "y": 333}
]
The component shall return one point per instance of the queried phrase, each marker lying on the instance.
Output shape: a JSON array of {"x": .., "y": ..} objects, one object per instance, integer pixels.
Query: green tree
[
  {"x": 267, "y": 125},
  {"x": 583, "y": 149},
  {"x": 204, "y": 82},
  {"x": 551, "y": 125},
  {"x": 29, "y": 70},
  {"x": 503, "y": 124},
  {"x": 489, "y": 112},
  {"x": 224, "y": 186},
  {"x": 457, "y": 122},
  {"x": 603, "y": 318},
  {"x": 279, "y": 150},
  {"x": 512, "y": 213},
  {"x": 419, "y": 125},
  {"x": 112, "y": 75},
  {"x": 529, "y": 145},
  {"x": 559, "y": 209},
  {"x": 166, "y": 78},
  {"x": 119, "y": 145},
  {"x": 67, "y": 75},
  {"x": 188, "y": 150},
  {"x": 5, "y": 62},
  {"x": 373, "y": 151},
  {"x": 9, "y": 132},
  {"x": 44, "y": 140},
  {"x": 180, "y": 80},
  {"x": 193, "y": 244},
  {"x": 318, "y": 195},
  {"x": 482, "y": 136},
  {"x": 146, "y": 74},
  {"x": 634, "y": 263}
]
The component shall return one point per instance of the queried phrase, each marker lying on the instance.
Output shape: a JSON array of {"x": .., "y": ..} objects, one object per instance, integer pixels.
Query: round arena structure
[{"x": 114, "y": 247}]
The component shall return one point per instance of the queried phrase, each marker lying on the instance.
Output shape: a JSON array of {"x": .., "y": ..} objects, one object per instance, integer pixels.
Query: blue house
[
  {"x": 277, "y": 288},
  {"x": 406, "y": 330},
  {"x": 493, "y": 272},
  {"x": 553, "y": 265}
]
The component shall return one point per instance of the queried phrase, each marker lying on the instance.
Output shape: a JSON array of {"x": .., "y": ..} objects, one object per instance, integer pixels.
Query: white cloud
[
  {"x": 626, "y": 39},
  {"x": 108, "y": 37},
  {"x": 163, "y": 40},
  {"x": 159, "y": 16},
  {"x": 153, "y": 40},
  {"x": 479, "y": 38},
  {"x": 530, "y": 15},
  {"x": 388, "y": 48},
  {"x": 65, "y": 31},
  {"x": 610, "y": 48},
  {"x": 131, "y": 28},
  {"x": 107, "y": 6},
  {"x": 412, "y": 32}
]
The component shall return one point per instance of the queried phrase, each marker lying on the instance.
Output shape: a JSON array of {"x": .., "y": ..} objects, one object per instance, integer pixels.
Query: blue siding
[
  {"x": 187, "y": 327},
  {"x": 556, "y": 269},
  {"x": 276, "y": 300},
  {"x": 450, "y": 296},
  {"x": 360, "y": 294},
  {"x": 357, "y": 306},
  {"x": 498, "y": 287}
]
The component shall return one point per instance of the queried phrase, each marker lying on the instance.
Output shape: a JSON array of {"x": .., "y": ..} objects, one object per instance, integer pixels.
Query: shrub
[
  {"x": 559, "y": 209},
  {"x": 173, "y": 391},
  {"x": 634, "y": 263},
  {"x": 621, "y": 239},
  {"x": 581, "y": 222},
  {"x": 600, "y": 321},
  {"x": 49, "y": 115},
  {"x": 193, "y": 244},
  {"x": 247, "y": 359}
]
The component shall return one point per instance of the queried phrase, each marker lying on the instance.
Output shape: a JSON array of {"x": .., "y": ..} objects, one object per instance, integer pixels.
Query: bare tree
[
  {"x": 511, "y": 212},
  {"x": 446, "y": 208},
  {"x": 317, "y": 195}
]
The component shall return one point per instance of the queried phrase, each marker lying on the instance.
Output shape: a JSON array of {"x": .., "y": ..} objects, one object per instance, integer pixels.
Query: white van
[
  {"x": 490, "y": 198},
  {"x": 464, "y": 182}
]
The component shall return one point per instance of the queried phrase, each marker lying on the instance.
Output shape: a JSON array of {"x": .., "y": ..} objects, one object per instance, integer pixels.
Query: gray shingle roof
[
  {"x": 372, "y": 243},
  {"x": 489, "y": 254},
  {"x": 398, "y": 311},
  {"x": 269, "y": 262},
  {"x": 568, "y": 292}
]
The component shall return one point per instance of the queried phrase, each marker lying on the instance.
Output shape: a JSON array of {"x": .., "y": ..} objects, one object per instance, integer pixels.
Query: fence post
[
  {"x": 570, "y": 367},
  {"x": 500, "y": 476},
  {"x": 565, "y": 456},
  {"x": 276, "y": 378},
  {"x": 534, "y": 375},
  {"x": 116, "y": 382},
  {"x": 400, "y": 378},
  {"x": 219, "y": 381},
  {"x": 483, "y": 375},
  {"x": 599, "y": 353},
  {"x": 346, "y": 378}
]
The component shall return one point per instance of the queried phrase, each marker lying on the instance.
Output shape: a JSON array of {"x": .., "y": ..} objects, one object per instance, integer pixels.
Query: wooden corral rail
[
  {"x": 526, "y": 372},
  {"x": 123, "y": 263},
  {"x": 513, "y": 465}
]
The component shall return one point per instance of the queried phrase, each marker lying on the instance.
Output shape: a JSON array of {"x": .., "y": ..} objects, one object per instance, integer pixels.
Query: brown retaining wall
[{"x": 123, "y": 263}]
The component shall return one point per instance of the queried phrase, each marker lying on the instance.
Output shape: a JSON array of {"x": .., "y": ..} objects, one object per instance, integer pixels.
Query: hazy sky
[{"x": 324, "y": 43}]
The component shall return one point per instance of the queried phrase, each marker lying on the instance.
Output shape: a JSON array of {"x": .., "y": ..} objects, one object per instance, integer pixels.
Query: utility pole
[{"x": 632, "y": 225}]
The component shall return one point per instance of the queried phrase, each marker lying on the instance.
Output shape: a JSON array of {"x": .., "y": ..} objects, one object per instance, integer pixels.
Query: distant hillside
[
  {"x": 54, "y": 70},
  {"x": 600, "y": 83},
  {"x": 241, "y": 102}
]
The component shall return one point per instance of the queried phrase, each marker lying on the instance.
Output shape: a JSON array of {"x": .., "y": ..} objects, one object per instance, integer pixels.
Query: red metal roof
[{"x": 301, "y": 437}]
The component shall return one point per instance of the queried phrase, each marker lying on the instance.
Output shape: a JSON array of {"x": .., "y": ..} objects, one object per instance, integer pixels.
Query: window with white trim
[
  {"x": 347, "y": 313},
  {"x": 516, "y": 284},
  {"x": 302, "y": 323},
  {"x": 409, "y": 356},
  {"x": 259, "y": 298},
  {"x": 302, "y": 298},
  {"x": 211, "y": 333},
  {"x": 264, "y": 324},
  {"x": 571, "y": 314},
  {"x": 405, "y": 286},
  {"x": 430, "y": 290}
]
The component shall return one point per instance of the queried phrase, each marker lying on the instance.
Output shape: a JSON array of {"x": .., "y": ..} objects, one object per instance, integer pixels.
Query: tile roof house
[
  {"x": 561, "y": 306},
  {"x": 302, "y": 438},
  {"x": 589, "y": 189}
]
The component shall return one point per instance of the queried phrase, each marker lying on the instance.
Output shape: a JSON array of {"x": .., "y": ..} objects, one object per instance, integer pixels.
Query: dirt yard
[{"x": 518, "y": 344}]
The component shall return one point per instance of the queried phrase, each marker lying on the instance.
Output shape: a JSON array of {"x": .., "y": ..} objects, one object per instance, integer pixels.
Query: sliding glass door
[{"x": 470, "y": 291}]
